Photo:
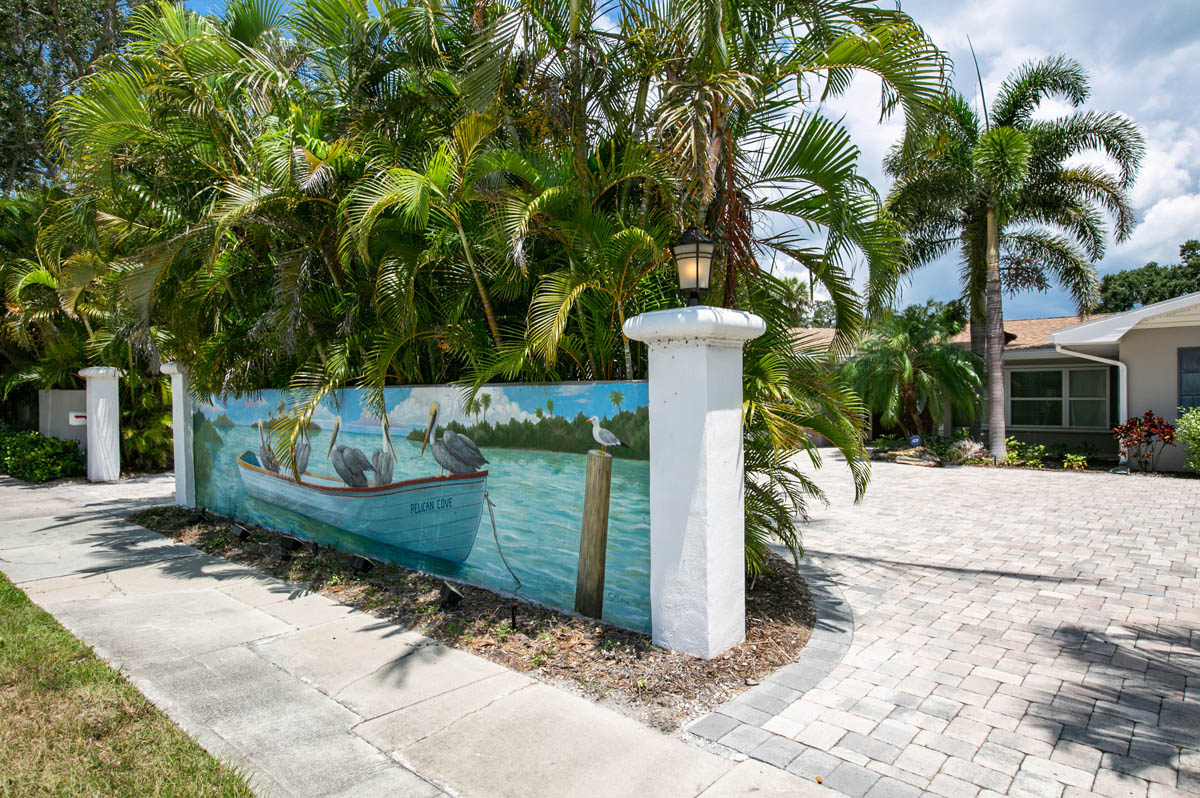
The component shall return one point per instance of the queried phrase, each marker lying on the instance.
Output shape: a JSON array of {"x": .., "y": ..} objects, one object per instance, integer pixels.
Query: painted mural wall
[{"x": 452, "y": 487}]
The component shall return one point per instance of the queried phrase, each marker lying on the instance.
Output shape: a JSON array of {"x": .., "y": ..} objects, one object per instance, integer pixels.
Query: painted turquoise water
[{"x": 538, "y": 500}]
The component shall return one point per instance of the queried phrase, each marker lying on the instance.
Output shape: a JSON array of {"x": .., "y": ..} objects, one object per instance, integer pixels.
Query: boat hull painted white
[{"x": 435, "y": 516}]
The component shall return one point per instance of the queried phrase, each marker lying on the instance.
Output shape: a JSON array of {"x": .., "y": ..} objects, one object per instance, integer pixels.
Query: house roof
[
  {"x": 1018, "y": 333},
  {"x": 1029, "y": 333},
  {"x": 1181, "y": 311}
]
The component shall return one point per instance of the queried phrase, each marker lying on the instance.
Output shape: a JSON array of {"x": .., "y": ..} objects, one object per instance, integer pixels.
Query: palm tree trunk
[
  {"x": 979, "y": 347},
  {"x": 995, "y": 339},
  {"x": 628, "y": 350},
  {"x": 483, "y": 294}
]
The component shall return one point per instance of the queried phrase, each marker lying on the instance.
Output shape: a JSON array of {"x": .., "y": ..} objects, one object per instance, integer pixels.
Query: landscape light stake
[{"x": 514, "y": 614}]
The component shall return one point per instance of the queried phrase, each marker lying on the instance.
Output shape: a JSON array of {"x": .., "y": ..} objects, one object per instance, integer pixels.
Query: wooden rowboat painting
[{"x": 435, "y": 516}]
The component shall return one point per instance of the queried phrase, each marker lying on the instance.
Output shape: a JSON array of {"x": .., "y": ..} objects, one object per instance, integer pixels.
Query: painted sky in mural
[
  {"x": 523, "y": 506},
  {"x": 409, "y": 407}
]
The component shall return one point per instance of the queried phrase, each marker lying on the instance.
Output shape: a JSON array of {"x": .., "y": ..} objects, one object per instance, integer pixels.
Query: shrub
[
  {"x": 968, "y": 452},
  {"x": 888, "y": 442},
  {"x": 33, "y": 457},
  {"x": 1143, "y": 439},
  {"x": 1074, "y": 462},
  {"x": 1187, "y": 428},
  {"x": 1026, "y": 454}
]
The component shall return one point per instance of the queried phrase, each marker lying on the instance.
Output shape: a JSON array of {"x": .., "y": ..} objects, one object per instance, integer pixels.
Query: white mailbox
[{"x": 75, "y": 419}]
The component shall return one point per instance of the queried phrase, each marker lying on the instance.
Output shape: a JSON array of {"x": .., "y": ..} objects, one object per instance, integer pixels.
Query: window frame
[
  {"x": 1179, "y": 353},
  {"x": 1064, "y": 399}
]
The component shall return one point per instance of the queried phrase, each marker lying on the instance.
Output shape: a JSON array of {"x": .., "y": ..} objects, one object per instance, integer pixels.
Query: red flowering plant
[{"x": 1143, "y": 439}]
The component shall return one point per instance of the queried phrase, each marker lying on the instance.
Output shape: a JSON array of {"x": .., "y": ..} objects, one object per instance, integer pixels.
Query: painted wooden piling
[{"x": 593, "y": 539}]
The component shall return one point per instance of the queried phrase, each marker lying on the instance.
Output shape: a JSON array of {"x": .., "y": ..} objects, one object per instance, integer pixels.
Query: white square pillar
[
  {"x": 181, "y": 430},
  {"x": 697, "y": 500},
  {"x": 103, "y": 423}
]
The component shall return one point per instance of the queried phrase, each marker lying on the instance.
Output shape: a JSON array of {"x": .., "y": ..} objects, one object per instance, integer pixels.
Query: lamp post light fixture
[{"x": 693, "y": 254}]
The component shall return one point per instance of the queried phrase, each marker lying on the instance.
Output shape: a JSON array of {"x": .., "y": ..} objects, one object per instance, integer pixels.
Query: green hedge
[{"x": 33, "y": 457}]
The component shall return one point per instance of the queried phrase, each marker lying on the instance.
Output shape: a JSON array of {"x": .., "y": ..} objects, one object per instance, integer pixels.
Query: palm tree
[
  {"x": 1008, "y": 191},
  {"x": 615, "y": 398},
  {"x": 907, "y": 365},
  {"x": 485, "y": 401},
  {"x": 443, "y": 192},
  {"x": 550, "y": 407}
]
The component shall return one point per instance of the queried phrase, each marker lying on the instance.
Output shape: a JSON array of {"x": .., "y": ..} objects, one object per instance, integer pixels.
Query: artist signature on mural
[{"x": 424, "y": 507}]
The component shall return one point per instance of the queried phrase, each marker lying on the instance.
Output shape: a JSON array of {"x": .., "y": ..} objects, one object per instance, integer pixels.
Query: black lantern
[{"x": 693, "y": 254}]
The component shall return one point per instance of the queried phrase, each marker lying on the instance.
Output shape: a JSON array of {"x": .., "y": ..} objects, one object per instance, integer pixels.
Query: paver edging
[{"x": 737, "y": 724}]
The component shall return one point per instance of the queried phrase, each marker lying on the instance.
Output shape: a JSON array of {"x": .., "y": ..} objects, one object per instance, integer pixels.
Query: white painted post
[
  {"x": 103, "y": 423},
  {"x": 181, "y": 430},
  {"x": 697, "y": 502}
]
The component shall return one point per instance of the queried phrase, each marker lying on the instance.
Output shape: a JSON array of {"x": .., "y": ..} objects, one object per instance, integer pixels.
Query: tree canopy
[
  {"x": 329, "y": 193},
  {"x": 1121, "y": 291},
  {"x": 48, "y": 45}
]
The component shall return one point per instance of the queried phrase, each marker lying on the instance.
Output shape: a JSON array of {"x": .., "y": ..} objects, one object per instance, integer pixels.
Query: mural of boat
[{"x": 435, "y": 516}]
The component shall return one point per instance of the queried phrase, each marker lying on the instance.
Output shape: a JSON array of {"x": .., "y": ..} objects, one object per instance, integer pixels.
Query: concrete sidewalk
[{"x": 313, "y": 698}]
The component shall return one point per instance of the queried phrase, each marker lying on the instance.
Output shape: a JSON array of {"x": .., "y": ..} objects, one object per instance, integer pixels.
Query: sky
[
  {"x": 409, "y": 407},
  {"x": 1143, "y": 60}
]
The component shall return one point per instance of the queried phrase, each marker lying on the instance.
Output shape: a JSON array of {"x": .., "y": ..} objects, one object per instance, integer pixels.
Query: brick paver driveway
[{"x": 1015, "y": 633}]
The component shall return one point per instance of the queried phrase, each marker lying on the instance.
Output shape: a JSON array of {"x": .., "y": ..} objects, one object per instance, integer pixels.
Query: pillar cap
[
  {"x": 696, "y": 323},
  {"x": 173, "y": 368},
  {"x": 111, "y": 372}
]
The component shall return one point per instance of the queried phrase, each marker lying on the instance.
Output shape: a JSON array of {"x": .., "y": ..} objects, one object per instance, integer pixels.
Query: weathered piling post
[{"x": 593, "y": 539}]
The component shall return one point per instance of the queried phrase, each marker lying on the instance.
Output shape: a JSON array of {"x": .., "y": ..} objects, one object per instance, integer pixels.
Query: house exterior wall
[
  {"x": 1152, "y": 360},
  {"x": 1099, "y": 441}
]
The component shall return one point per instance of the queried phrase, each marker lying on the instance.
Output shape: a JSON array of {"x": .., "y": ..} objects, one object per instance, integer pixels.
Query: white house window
[
  {"x": 1089, "y": 398},
  {"x": 1036, "y": 398},
  {"x": 1058, "y": 398}
]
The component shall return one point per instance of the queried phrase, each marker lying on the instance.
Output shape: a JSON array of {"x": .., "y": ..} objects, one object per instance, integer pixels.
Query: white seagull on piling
[{"x": 604, "y": 437}]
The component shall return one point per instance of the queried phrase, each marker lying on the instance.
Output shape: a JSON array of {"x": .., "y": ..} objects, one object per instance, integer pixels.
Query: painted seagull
[
  {"x": 604, "y": 437},
  {"x": 454, "y": 452},
  {"x": 350, "y": 464}
]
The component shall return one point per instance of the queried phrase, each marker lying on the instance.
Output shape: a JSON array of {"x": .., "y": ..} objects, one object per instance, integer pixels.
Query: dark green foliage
[
  {"x": 146, "y": 437},
  {"x": 908, "y": 366},
  {"x": 1151, "y": 283},
  {"x": 33, "y": 457},
  {"x": 557, "y": 434},
  {"x": 48, "y": 44}
]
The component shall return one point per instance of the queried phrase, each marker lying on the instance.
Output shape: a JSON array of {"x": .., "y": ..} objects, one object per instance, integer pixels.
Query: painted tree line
[{"x": 327, "y": 193}]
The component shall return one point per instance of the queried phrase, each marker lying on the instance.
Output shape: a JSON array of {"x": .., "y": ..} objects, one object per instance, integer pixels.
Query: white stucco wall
[
  {"x": 1152, "y": 358},
  {"x": 53, "y": 410}
]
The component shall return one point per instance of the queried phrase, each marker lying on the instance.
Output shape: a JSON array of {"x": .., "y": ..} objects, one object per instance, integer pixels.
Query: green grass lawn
[{"x": 71, "y": 725}]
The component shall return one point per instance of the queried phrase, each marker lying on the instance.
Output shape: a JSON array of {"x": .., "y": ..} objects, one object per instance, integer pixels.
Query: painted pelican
[
  {"x": 604, "y": 437},
  {"x": 455, "y": 453},
  {"x": 265, "y": 455},
  {"x": 382, "y": 460},
  {"x": 350, "y": 464},
  {"x": 301, "y": 451}
]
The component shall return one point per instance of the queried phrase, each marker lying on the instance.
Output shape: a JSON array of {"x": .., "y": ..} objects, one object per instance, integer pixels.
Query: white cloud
[
  {"x": 414, "y": 410},
  {"x": 1167, "y": 224},
  {"x": 1143, "y": 65}
]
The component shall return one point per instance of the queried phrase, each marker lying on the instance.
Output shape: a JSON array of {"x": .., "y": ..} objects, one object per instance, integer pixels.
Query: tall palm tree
[
  {"x": 615, "y": 398},
  {"x": 485, "y": 401},
  {"x": 1008, "y": 191},
  {"x": 907, "y": 365}
]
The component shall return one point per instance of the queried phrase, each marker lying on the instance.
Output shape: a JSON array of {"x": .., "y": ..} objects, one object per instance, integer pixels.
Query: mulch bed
[{"x": 612, "y": 666}]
